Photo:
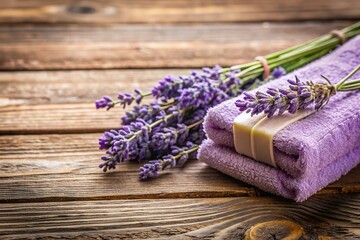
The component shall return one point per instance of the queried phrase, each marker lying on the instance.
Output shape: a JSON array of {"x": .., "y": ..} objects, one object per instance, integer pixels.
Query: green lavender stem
[
  {"x": 342, "y": 82},
  {"x": 350, "y": 86},
  {"x": 193, "y": 149},
  {"x": 297, "y": 54}
]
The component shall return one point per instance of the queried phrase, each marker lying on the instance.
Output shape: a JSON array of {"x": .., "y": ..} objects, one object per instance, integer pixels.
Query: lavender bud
[{"x": 105, "y": 102}]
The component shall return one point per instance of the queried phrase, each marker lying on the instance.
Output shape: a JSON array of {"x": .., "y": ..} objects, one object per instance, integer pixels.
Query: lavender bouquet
[{"x": 169, "y": 130}]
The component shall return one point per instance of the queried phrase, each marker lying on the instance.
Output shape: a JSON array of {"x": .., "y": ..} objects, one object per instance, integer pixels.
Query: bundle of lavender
[{"x": 169, "y": 129}]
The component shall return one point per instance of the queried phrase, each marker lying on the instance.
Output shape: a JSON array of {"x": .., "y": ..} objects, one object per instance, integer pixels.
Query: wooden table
[{"x": 58, "y": 56}]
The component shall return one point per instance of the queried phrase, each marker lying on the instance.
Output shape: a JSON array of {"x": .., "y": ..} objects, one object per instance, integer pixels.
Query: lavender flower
[
  {"x": 278, "y": 72},
  {"x": 130, "y": 142},
  {"x": 107, "y": 139},
  {"x": 125, "y": 99},
  {"x": 105, "y": 102},
  {"x": 178, "y": 156},
  {"x": 152, "y": 168},
  {"x": 213, "y": 73},
  {"x": 200, "y": 95},
  {"x": 168, "y": 137},
  {"x": 170, "y": 87},
  {"x": 299, "y": 95},
  {"x": 147, "y": 112},
  {"x": 182, "y": 154},
  {"x": 139, "y": 95},
  {"x": 232, "y": 85}
]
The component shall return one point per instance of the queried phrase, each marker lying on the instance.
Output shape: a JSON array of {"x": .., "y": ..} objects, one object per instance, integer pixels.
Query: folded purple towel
[
  {"x": 270, "y": 179},
  {"x": 310, "y": 153}
]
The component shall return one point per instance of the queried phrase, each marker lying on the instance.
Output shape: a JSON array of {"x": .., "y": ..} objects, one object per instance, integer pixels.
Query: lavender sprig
[
  {"x": 178, "y": 157},
  {"x": 125, "y": 99},
  {"x": 105, "y": 102},
  {"x": 299, "y": 95}
]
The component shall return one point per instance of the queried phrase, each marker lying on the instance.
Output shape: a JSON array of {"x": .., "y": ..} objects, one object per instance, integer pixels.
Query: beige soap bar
[{"x": 253, "y": 136}]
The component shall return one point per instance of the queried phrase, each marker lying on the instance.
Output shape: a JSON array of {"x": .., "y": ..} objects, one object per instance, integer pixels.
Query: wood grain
[
  {"x": 321, "y": 217},
  {"x": 148, "y": 46},
  {"x": 179, "y": 11},
  {"x": 75, "y": 86},
  {"x": 63, "y": 167},
  {"x": 57, "y": 118}
]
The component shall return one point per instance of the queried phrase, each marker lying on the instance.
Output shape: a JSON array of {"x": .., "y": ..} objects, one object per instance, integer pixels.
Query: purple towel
[{"x": 310, "y": 153}]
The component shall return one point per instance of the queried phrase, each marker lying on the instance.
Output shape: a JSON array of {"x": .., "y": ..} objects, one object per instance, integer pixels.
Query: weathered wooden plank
[
  {"x": 321, "y": 217},
  {"x": 57, "y": 118},
  {"x": 180, "y": 11},
  {"x": 148, "y": 46},
  {"x": 64, "y": 167},
  {"x": 75, "y": 86}
]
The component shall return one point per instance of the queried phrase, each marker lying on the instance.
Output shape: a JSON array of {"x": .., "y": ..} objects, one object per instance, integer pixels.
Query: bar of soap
[{"x": 253, "y": 136}]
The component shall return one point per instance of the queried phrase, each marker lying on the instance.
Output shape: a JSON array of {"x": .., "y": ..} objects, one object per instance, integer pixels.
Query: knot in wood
[
  {"x": 79, "y": 9},
  {"x": 276, "y": 229}
]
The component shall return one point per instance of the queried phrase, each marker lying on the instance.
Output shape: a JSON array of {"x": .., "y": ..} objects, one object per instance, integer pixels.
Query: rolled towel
[{"x": 327, "y": 140}]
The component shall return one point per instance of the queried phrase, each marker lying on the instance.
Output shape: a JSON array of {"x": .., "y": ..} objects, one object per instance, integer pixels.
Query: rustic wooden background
[{"x": 58, "y": 56}]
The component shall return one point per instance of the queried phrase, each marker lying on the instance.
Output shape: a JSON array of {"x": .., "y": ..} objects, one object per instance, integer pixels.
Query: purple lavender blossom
[
  {"x": 147, "y": 112},
  {"x": 139, "y": 95},
  {"x": 107, "y": 139},
  {"x": 168, "y": 137},
  {"x": 198, "y": 95},
  {"x": 108, "y": 164},
  {"x": 162, "y": 140},
  {"x": 278, "y": 72},
  {"x": 170, "y": 87},
  {"x": 186, "y": 89},
  {"x": 182, "y": 153},
  {"x": 178, "y": 156},
  {"x": 299, "y": 95},
  {"x": 105, "y": 102},
  {"x": 205, "y": 93},
  {"x": 213, "y": 73},
  {"x": 126, "y": 99},
  {"x": 130, "y": 142},
  {"x": 152, "y": 168}
]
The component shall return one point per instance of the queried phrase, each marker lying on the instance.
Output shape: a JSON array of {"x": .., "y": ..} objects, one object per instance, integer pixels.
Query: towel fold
[
  {"x": 310, "y": 153},
  {"x": 270, "y": 179}
]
